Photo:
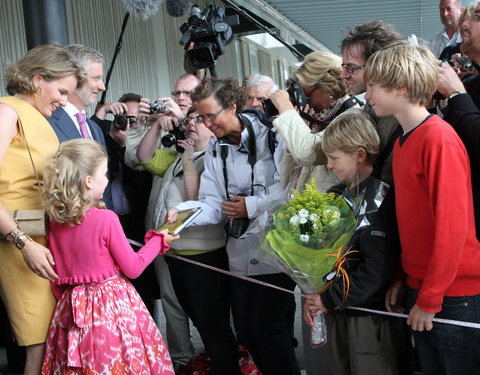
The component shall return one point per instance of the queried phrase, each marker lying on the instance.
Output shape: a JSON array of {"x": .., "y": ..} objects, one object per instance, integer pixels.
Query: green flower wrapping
[{"x": 308, "y": 236}]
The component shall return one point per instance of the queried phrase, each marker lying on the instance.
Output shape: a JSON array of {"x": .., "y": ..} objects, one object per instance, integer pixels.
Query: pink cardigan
[{"x": 97, "y": 249}]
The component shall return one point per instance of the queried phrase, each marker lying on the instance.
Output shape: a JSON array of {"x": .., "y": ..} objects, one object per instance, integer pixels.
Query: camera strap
[{"x": 251, "y": 152}]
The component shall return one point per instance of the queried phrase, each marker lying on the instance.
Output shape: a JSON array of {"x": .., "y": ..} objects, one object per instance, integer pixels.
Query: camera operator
[
  {"x": 462, "y": 111},
  {"x": 239, "y": 179}
]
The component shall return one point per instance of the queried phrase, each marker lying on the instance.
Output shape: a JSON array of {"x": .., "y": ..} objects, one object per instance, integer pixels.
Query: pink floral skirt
[{"x": 104, "y": 328}]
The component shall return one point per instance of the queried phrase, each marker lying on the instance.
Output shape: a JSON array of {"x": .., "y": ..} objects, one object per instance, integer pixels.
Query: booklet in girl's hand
[{"x": 183, "y": 219}]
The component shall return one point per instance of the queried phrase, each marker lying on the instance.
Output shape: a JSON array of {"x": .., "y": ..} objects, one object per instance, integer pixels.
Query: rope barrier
[{"x": 252, "y": 280}]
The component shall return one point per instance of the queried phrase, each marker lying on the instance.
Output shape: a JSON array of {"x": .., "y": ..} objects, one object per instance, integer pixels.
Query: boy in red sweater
[{"x": 440, "y": 252}]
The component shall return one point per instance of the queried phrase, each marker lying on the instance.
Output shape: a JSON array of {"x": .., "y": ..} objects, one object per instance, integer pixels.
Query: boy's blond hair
[
  {"x": 64, "y": 191},
  {"x": 351, "y": 131},
  {"x": 403, "y": 65}
]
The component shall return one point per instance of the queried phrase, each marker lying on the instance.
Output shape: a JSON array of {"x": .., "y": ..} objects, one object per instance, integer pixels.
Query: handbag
[{"x": 32, "y": 222}]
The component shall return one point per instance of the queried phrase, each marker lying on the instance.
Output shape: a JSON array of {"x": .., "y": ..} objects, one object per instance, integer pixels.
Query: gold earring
[{"x": 37, "y": 93}]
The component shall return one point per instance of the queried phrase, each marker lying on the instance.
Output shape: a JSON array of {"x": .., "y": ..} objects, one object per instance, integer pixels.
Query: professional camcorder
[
  {"x": 210, "y": 31},
  {"x": 297, "y": 97},
  {"x": 173, "y": 136}
]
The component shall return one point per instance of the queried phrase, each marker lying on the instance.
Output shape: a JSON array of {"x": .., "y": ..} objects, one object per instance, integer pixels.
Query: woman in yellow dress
[{"x": 38, "y": 83}]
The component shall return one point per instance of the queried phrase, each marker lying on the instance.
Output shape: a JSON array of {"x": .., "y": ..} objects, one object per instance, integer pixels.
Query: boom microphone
[
  {"x": 178, "y": 8},
  {"x": 143, "y": 9}
]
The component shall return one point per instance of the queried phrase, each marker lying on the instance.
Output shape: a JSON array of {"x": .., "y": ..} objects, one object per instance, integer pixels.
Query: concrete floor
[{"x": 159, "y": 318}]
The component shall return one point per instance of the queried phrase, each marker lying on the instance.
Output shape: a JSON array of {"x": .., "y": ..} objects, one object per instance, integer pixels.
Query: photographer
[
  {"x": 328, "y": 96},
  {"x": 239, "y": 180}
]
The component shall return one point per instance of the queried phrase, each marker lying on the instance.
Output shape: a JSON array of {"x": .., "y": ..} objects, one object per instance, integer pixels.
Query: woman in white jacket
[{"x": 240, "y": 178}]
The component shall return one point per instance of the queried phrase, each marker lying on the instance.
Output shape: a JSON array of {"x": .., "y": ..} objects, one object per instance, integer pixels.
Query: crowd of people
[{"x": 387, "y": 125}]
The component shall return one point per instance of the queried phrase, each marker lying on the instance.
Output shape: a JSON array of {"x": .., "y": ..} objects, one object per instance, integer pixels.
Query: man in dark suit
[{"x": 71, "y": 122}]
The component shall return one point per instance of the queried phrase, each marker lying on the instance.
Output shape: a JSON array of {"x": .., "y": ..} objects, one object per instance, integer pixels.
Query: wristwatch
[{"x": 455, "y": 93}]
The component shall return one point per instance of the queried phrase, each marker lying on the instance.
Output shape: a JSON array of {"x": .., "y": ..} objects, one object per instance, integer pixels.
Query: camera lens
[
  {"x": 120, "y": 122},
  {"x": 168, "y": 140}
]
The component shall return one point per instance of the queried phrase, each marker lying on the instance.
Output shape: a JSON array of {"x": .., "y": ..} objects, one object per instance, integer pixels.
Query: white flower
[
  {"x": 314, "y": 217},
  {"x": 332, "y": 215},
  {"x": 303, "y": 220},
  {"x": 303, "y": 213},
  {"x": 304, "y": 237},
  {"x": 294, "y": 220},
  {"x": 315, "y": 226}
]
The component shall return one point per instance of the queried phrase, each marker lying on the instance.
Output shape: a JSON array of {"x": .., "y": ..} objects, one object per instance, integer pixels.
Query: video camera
[
  {"x": 297, "y": 97},
  {"x": 210, "y": 31}
]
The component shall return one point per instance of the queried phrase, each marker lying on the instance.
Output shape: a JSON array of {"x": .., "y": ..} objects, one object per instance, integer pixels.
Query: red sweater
[
  {"x": 97, "y": 249},
  {"x": 440, "y": 252}
]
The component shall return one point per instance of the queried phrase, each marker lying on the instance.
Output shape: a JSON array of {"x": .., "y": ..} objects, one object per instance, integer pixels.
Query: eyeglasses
[
  {"x": 197, "y": 119},
  {"x": 475, "y": 17},
  {"x": 352, "y": 69},
  {"x": 180, "y": 92},
  {"x": 208, "y": 116}
]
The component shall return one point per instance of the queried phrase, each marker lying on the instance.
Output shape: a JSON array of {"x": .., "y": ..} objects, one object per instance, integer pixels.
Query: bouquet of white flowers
[{"x": 307, "y": 237}]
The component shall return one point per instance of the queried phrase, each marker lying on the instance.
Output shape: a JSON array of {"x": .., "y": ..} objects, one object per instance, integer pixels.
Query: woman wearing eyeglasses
[
  {"x": 241, "y": 176},
  {"x": 328, "y": 96},
  {"x": 203, "y": 294}
]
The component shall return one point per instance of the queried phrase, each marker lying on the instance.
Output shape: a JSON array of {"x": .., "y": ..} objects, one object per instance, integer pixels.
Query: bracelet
[
  {"x": 18, "y": 238},
  {"x": 455, "y": 93}
]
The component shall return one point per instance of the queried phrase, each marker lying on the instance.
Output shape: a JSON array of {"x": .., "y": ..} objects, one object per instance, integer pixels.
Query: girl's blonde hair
[
  {"x": 322, "y": 69},
  {"x": 64, "y": 191},
  {"x": 351, "y": 131}
]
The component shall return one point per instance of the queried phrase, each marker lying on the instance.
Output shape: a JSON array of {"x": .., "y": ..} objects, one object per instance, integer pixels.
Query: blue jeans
[{"x": 449, "y": 349}]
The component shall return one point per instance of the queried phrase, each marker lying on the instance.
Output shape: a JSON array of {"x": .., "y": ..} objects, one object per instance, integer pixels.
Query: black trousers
[
  {"x": 205, "y": 297},
  {"x": 263, "y": 322}
]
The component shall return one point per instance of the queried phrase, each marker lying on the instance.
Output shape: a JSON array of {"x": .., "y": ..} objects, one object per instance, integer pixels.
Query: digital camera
[
  {"x": 173, "y": 136},
  {"x": 157, "y": 106},
  {"x": 238, "y": 226},
  {"x": 120, "y": 122},
  {"x": 297, "y": 97}
]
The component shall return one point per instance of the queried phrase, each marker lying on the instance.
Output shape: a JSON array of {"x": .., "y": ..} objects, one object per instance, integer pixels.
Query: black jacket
[
  {"x": 371, "y": 268},
  {"x": 464, "y": 115}
]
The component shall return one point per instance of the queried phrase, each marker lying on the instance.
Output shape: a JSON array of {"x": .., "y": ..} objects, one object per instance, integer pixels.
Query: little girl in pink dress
[{"x": 100, "y": 324}]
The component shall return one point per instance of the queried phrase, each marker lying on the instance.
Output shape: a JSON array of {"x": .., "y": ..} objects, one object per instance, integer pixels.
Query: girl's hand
[
  {"x": 169, "y": 237},
  {"x": 39, "y": 259},
  {"x": 171, "y": 215}
]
